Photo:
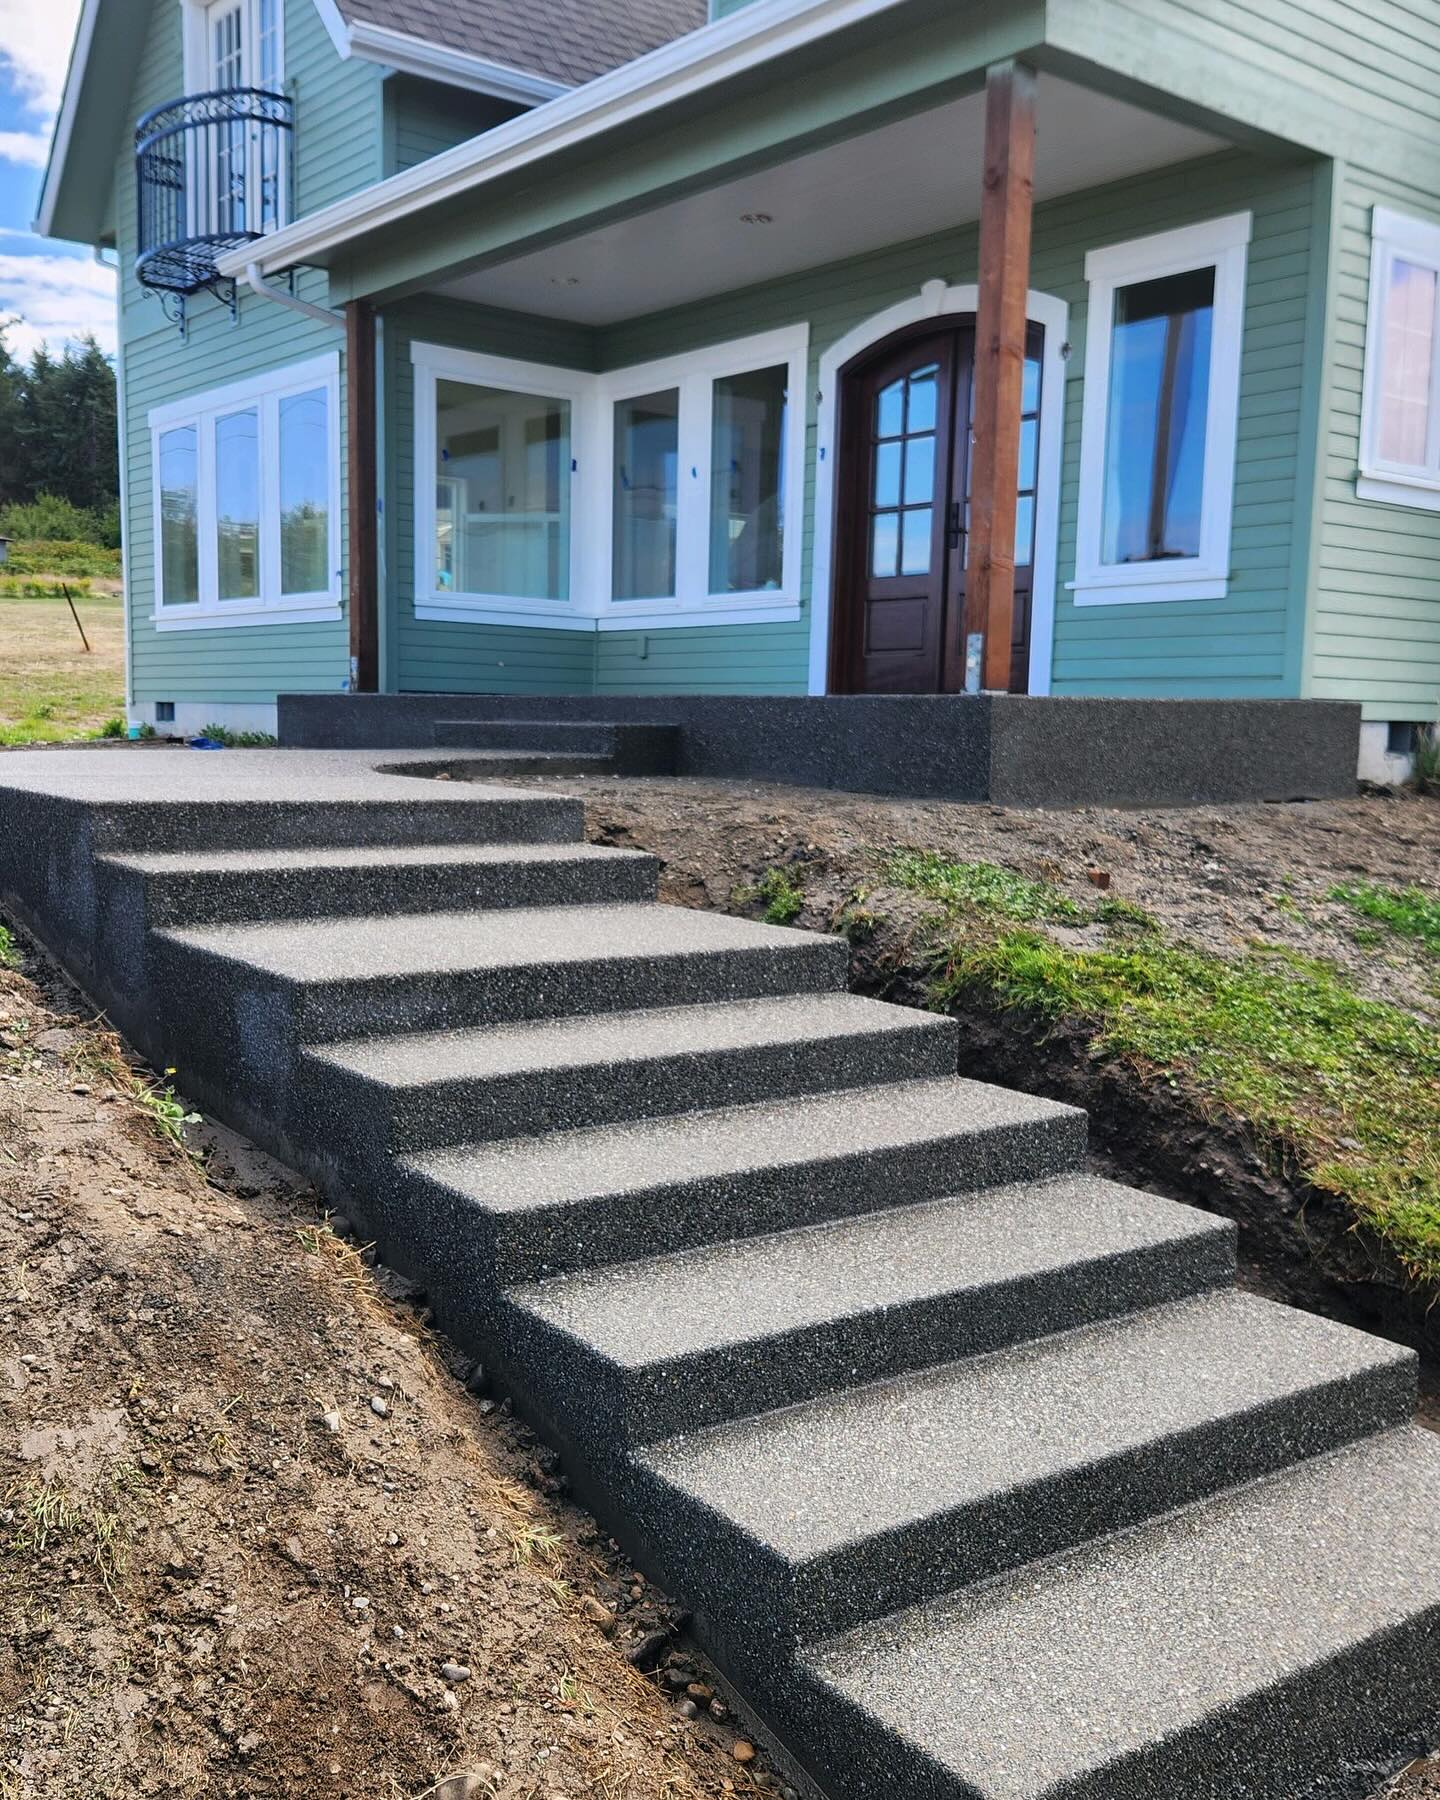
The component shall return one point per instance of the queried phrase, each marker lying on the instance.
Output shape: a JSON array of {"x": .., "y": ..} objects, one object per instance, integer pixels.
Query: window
[
  {"x": 503, "y": 494},
  {"x": 1162, "y": 385},
  {"x": 660, "y": 494},
  {"x": 646, "y": 497},
  {"x": 247, "y": 500},
  {"x": 1400, "y": 413}
]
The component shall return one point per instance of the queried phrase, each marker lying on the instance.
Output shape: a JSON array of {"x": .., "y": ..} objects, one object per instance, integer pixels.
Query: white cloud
[
  {"x": 27, "y": 147},
  {"x": 35, "y": 38},
  {"x": 55, "y": 299}
]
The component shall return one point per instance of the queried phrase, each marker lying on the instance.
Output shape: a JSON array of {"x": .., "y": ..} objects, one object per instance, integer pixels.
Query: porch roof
[{"x": 772, "y": 84}]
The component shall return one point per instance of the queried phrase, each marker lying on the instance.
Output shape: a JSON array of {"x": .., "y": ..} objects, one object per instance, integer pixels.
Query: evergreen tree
[{"x": 57, "y": 426}]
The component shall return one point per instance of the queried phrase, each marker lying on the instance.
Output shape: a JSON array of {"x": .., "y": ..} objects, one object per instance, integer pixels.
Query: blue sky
[{"x": 54, "y": 292}]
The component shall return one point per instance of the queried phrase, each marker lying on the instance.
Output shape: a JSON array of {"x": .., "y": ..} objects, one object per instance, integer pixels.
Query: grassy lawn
[
  {"x": 50, "y": 689},
  {"x": 1347, "y": 1086}
]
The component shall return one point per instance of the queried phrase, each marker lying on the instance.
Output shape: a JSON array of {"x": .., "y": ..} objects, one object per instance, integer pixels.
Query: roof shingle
[{"x": 569, "y": 41}]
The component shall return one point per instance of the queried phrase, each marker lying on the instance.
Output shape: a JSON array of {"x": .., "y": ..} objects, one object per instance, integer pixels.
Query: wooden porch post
[
  {"x": 362, "y": 536},
  {"x": 1005, "y": 208}
]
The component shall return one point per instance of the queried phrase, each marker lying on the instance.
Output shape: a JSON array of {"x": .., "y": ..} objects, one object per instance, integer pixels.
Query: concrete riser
[
  {"x": 615, "y": 1406},
  {"x": 290, "y": 825},
  {"x": 569, "y": 1099},
  {"x": 881, "y": 1573},
  {"x": 630, "y": 749},
  {"x": 651, "y": 1221}
]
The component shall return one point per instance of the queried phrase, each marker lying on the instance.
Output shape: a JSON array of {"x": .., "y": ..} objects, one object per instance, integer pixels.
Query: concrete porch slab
[{"x": 1011, "y": 749}]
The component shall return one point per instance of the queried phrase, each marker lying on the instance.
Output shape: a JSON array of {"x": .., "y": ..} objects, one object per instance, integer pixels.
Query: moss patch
[{"x": 1345, "y": 1087}]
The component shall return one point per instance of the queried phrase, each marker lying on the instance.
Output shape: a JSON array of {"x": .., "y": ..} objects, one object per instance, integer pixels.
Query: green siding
[
  {"x": 1247, "y": 643},
  {"x": 422, "y": 118},
  {"x": 1375, "y": 622},
  {"x": 437, "y": 656},
  {"x": 1234, "y": 646},
  {"x": 336, "y": 111}
]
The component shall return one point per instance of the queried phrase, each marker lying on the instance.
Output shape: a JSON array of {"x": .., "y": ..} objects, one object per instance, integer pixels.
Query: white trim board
[
  {"x": 1223, "y": 244},
  {"x": 936, "y": 300}
]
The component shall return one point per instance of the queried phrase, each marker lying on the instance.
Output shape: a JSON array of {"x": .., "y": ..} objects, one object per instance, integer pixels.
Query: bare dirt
[{"x": 249, "y": 1510}]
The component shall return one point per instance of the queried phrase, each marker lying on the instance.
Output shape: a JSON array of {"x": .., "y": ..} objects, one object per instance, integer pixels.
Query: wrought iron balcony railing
[{"x": 213, "y": 172}]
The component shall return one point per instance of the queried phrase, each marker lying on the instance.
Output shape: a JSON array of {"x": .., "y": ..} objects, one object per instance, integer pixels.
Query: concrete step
[
  {"x": 683, "y": 1341},
  {"x": 238, "y": 1003},
  {"x": 846, "y": 1507},
  {"x": 205, "y": 887},
  {"x": 632, "y": 749},
  {"x": 578, "y": 1199},
  {"x": 423, "y": 1090},
  {"x": 1281, "y": 1634},
  {"x": 422, "y": 972},
  {"x": 496, "y": 765}
]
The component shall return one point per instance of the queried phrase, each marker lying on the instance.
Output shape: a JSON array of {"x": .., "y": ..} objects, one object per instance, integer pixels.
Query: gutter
[
  {"x": 257, "y": 284},
  {"x": 688, "y": 66}
]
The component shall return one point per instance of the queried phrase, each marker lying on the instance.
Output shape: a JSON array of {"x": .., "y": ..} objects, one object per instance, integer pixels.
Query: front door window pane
[
  {"x": 305, "y": 493},
  {"x": 747, "y": 482},
  {"x": 237, "y": 504},
  {"x": 1408, "y": 353},
  {"x": 179, "y": 529},
  {"x": 503, "y": 524},
  {"x": 902, "y": 507},
  {"x": 647, "y": 456},
  {"x": 1156, "y": 422}
]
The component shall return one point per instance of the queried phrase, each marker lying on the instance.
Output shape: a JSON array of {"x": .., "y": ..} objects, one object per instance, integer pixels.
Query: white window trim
[
  {"x": 592, "y": 399},
  {"x": 1395, "y": 235},
  {"x": 1221, "y": 244},
  {"x": 202, "y": 410}
]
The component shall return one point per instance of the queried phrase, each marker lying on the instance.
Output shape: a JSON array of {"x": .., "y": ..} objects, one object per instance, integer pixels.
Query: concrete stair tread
[
  {"x": 614, "y": 1038},
  {"x": 329, "y": 950},
  {"x": 527, "y": 1173},
  {"x": 363, "y": 856},
  {"x": 1038, "y": 1683},
  {"x": 745, "y": 1290},
  {"x": 810, "y": 1479}
]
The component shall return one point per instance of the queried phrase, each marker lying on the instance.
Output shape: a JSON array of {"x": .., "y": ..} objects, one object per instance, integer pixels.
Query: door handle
[{"x": 957, "y": 525}]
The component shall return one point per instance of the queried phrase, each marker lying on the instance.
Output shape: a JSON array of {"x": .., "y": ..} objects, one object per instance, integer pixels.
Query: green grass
[
  {"x": 51, "y": 688},
  {"x": 9, "y": 957},
  {"x": 1410, "y": 911},
  {"x": 1345, "y": 1088},
  {"x": 782, "y": 895},
  {"x": 239, "y": 740}
]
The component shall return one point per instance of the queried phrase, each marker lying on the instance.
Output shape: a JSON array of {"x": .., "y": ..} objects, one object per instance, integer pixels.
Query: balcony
[{"x": 213, "y": 172}]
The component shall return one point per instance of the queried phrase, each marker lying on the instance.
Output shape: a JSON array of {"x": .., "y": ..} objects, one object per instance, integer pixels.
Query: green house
[{"x": 604, "y": 347}]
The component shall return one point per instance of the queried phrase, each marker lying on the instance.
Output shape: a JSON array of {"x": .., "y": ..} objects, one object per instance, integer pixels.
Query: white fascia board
[
  {"x": 684, "y": 67},
  {"x": 456, "y": 68},
  {"x": 65, "y": 119}
]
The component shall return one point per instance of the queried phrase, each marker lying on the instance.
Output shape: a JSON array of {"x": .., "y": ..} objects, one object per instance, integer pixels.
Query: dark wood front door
[{"x": 903, "y": 489}]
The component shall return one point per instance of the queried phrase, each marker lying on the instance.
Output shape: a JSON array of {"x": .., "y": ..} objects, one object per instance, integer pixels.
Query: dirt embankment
[
  {"x": 257, "y": 1538},
  {"x": 1215, "y": 878}
]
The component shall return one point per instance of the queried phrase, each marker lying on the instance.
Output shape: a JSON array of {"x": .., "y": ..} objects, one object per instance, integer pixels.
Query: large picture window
[
  {"x": 661, "y": 494},
  {"x": 1162, "y": 381},
  {"x": 247, "y": 500},
  {"x": 1400, "y": 413}
]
